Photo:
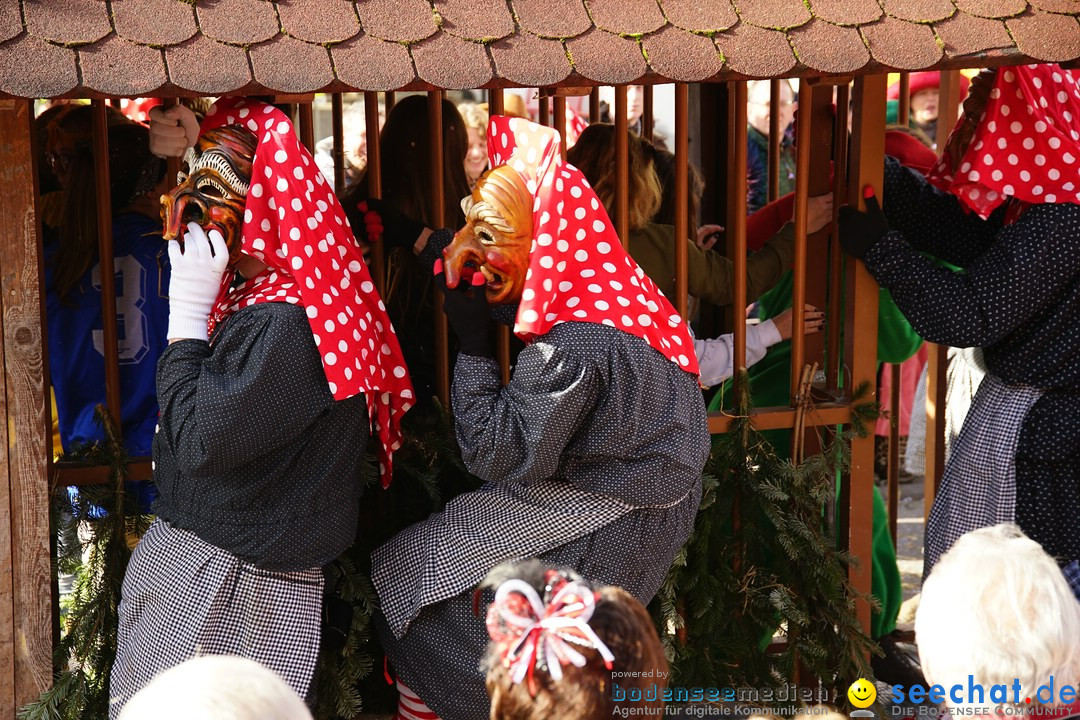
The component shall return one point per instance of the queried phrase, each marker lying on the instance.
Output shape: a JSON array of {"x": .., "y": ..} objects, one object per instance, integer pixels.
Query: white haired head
[
  {"x": 216, "y": 687},
  {"x": 998, "y": 608}
]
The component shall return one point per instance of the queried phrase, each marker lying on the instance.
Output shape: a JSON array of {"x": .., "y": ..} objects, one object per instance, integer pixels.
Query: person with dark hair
[
  {"x": 759, "y": 108},
  {"x": 1002, "y": 204},
  {"x": 563, "y": 650},
  {"x": 405, "y": 146},
  {"x": 73, "y": 289}
]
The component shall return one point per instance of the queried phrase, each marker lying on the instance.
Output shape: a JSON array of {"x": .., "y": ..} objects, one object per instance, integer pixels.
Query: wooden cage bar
[
  {"x": 903, "y": 114},
  {"x": 622, "y": 168},
  {"x": 775, "y": 98},
  {"x": 836, "y": 256},
  {"x": 337, "y": 122},
  {"x": 647, "y": 121},
  {"x": 307, "y": 125},
  {"x": 802, "y": 196},
  {"x": 559, "y": 121},
  {"x": 389, "y": 98},
  {"x": 594, "y": 105},
  {"x": 438, "y": 212},
  {"x": 374, "y": 180},
  {"x": 543, "y": 107},
  {"x": 502, "y": 332},
  {"x": 860, "y": 339},
  {"x": 736, "y": 219},
  {"x": 107, "y": 262},
  {"x": 682, "y": 172}
]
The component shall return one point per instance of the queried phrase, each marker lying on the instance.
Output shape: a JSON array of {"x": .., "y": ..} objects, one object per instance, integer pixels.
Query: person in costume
[
  {"x": 1001, "y": 203},
  {"x": 562, "y": 649},
  {"x": 591, "y": 456},
  {"x": 280, "y": 358}
]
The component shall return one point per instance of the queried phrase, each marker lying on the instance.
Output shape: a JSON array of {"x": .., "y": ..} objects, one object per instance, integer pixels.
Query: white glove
[
  {"x": 194, "y": 281},
  {"x": 172, "y": 131}
]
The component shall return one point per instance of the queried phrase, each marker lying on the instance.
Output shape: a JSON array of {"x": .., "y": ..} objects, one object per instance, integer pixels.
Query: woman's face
[
  {"x": 924, "y": 105},
  {"x": 476, "y": 159}
]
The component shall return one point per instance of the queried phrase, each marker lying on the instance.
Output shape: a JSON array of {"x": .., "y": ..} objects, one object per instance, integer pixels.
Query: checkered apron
[
  {"x": 183, "y": 597},
  {"x": 979, "y": 486}
]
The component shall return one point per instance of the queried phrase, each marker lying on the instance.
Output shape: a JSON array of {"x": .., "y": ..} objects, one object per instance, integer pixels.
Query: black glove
[
  {"x": 383, "y": 222},
  {"x": 466, "y": 308},
  {"x": 859, "y": 231}
]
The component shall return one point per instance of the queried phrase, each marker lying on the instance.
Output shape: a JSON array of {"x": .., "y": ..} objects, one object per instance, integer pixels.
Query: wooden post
[
  {"x": 558, "y": 121},
  {"x": 594, "y": 105},
  {"x": 836, "y": 256},
  {"x": 798, "y": 271},
  {"x": 903, "y": 114},
  {"x": 25, "y": 568},
  {"x": 106, "y": 263},
  {"x": 647, "y": 112},
  {"x": 307, "y": 126},
  {"x": 893, "y": 467},
  {"x": 860, "y": 338}
]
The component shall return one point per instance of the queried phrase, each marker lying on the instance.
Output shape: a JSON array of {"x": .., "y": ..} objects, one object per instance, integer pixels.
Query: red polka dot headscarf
[
  {"x": 578, "y": 269},
  {"x": 1027, "y": 145},
  {"x": 294, "y": 223}
]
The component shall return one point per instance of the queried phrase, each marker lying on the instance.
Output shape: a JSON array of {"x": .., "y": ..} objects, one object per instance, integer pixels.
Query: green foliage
[
  {"x": 762, "y": 557},
  {"x": 92, "y": 541}
]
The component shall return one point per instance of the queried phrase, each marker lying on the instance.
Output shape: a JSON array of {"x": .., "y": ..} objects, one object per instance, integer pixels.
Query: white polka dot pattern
[
  {"x": 1019, "y": 119},
  {"x": 578, "y": 269},
  {"x": 314, "y": 261}
]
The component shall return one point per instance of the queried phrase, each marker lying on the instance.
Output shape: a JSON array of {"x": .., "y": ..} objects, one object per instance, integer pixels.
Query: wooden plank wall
[{"x": 25, "y": 587}]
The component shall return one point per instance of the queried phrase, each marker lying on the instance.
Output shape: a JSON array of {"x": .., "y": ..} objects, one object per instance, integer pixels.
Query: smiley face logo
[{"x": 862, "y": 693}]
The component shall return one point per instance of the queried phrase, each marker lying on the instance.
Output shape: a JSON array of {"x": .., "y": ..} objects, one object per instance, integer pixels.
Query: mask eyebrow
[{"x": 216, "y": 160}]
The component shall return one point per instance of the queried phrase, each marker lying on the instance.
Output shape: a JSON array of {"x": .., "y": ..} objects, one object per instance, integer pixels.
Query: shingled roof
[{"x": 210, "y": 47}]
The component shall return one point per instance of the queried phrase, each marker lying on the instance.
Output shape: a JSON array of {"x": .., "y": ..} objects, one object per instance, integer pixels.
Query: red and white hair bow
[{"x": 536, "y": 632}]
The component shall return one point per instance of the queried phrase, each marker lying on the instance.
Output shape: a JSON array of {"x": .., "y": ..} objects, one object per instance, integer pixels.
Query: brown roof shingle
[{"x": 168, "y": 47}]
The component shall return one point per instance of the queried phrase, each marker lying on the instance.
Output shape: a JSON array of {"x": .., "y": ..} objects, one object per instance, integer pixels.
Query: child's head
[{"x": 562, "y": 650}]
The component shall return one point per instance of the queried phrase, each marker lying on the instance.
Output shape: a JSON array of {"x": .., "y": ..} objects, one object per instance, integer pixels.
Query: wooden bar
[
  {"x": 622, "y": 168},
  {"x": 307, "y": 126},
  {"x": 774, "y": 138},
  {"x": 937, "y": 364},
  {"x": 682, "y": 194},
  {"x": 374, "y": 180},
  {"x": 647, "y": 113},
  {"x": 819, "y": 110},
  {"x": 388, "y": 101},
  {"x": 948, "y": 111},
  {"x": 860, "y": 338},
  {"x": 26, "y": 633},
  {"x": 502, "y": 332},
  {"x": 107, "y": 262},
  {"x": 336, "y": 116},
  {"x": 802, "y": 193},
  {"x": 70, "y": 473},
  {"x": 172, "y": 163},
  {"x": 736, "y": 217},
  {"x": 893, "y": 465},
  {"x": 495, "y": 102},
  {"x": 544, "y": 109},
  {"x": 559, "y": 117},
  {"x": 903, "y": 115},
  {"x": 438, "y": 212},
  {"x": 779, "y": 418},
  {"x": 594, "y": 105},
  {"x": 836, "y": 256}
]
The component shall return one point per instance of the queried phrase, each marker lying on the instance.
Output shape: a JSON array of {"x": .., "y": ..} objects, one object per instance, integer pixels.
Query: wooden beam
[
  {"x": 622, "y": 168},
  {"x": 860, "y": 337},
  {"x": 25, "y": 567},
  {"x": 736, "y": 220},
  {"x": 438, "y": 212},
  {"x": 781, "y": 418},
  {"x": 682, "y": 171}
]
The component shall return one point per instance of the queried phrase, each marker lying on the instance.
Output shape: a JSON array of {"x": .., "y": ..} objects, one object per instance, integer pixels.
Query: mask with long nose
[
  {"x": 212, "y": 186},
  {"x": 497, "y": 236}
]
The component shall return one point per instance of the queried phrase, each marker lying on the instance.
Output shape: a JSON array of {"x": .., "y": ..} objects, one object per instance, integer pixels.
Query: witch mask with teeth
[{"x": 496, "y": 238}]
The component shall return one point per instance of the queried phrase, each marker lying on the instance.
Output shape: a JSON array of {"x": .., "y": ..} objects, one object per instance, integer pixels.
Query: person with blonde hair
[
  {"x": 997, "y": 610},
  {"x": 216, "y": 687},
  {"x": 475, "y": 116}
]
